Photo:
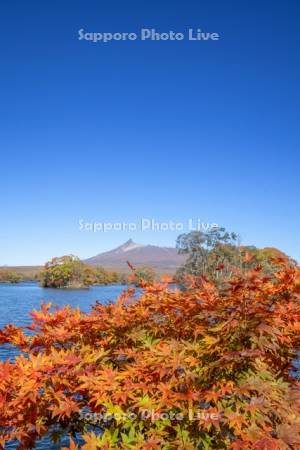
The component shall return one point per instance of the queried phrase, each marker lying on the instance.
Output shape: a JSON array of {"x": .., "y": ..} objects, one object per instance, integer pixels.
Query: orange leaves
[
  {"x": 65, "y": 408},
  {"x": 93, "y": 442},
  {"x": 72, "y": 446},
  {"x": 212, "y": 396},
  {"x": 210, "y": 341},
  {"x": 240, "y": 445},
  {"x": 236, "y": 421},
  {"x": 6, "y": 369},
  {"x": 13, "y": 335},
  {"x": 267, "y": 444},
  {"x": 224, "y": 351},
  {"x": 4, "y": 339},
  {"x": 166, "y": 279}
]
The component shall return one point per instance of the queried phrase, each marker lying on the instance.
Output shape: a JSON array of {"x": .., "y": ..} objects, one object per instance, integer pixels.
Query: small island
[{"x": 68, "y": 272}]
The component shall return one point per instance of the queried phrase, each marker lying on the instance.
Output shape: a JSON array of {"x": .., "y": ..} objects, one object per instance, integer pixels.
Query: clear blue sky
[{"x": 168, "y": 130}]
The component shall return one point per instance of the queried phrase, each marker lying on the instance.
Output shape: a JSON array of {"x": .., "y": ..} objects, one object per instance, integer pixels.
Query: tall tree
[{"x": 206, "y": 250}]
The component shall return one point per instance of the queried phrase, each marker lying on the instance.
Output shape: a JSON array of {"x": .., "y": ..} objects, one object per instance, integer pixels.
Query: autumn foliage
[
  {"x": 69, "y": 272},
  {"x": 224, "y": 352}
]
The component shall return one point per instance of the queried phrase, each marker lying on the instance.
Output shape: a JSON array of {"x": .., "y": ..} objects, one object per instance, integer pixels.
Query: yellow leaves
[
  {"x": 149, "y": 341},
  {"x": 38, "y": 361},
  {"x": 114, "y": 410},
  {"x": 92, "y": 442},
  {"x": 89, "y": 354},
  {"x": 107, "y": 441},
  {"x": 40, "y": 425},
  {"x": 210, "y": 341},
  {"x": 145, "y": 402}
]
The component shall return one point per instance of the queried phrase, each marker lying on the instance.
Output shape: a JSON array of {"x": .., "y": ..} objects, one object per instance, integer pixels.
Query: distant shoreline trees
[
  {"x": 9, "y": 276},
  {"x": 69, "y": 272}
]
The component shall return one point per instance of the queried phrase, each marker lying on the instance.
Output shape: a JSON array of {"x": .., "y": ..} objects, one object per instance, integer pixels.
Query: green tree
[
  {"x": 217, "y": 255},
  {"x": 205, "y": 250},
  {"x": 69, "y": 272},
  {"x": 66, "y": 272},
  {"x": 143, "y": 275}
]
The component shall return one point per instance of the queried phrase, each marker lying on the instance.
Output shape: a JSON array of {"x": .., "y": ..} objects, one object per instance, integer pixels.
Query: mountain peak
[
  {"x": 129, "y": 242},
  {"x": 162, "y": 259},
  {"x": 127, "y": 246}
]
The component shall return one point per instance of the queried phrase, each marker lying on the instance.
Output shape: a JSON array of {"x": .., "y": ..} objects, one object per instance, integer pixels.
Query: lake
[{"x": 17, "y": 300}]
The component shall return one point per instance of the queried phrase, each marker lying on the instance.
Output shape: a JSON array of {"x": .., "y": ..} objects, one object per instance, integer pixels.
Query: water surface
[{"x": 17, "y": 300}]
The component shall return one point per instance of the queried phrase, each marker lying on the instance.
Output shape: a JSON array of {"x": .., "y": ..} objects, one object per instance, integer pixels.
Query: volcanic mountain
[{"x": 162, "y": 259}]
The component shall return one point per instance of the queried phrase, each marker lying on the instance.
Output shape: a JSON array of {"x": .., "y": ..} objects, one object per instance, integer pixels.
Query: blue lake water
[{"x": 17, "y": 300}]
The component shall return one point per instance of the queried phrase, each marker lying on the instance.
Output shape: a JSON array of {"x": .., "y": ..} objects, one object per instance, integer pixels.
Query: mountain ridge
[{"x": 162, "y": 259}]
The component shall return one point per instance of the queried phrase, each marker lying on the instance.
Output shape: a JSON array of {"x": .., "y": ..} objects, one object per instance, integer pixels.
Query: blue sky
[{"x": 166, "y": 130}]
